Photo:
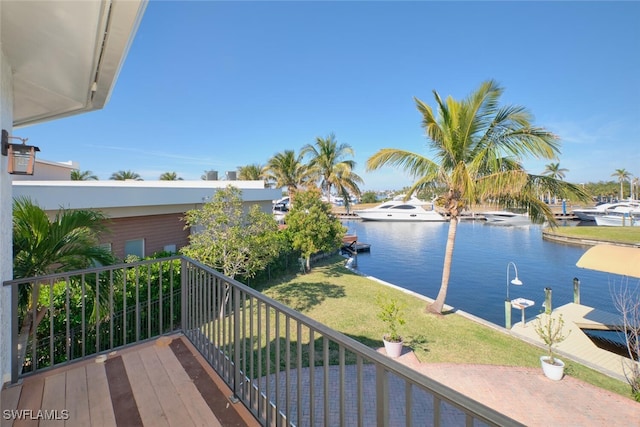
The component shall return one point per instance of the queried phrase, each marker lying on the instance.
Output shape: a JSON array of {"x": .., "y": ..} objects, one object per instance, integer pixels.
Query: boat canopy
[{"x": 612, "y": 259}]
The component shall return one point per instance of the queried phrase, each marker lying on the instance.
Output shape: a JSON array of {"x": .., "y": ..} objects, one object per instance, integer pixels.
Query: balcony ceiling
[{"x": 65, "y": 55}]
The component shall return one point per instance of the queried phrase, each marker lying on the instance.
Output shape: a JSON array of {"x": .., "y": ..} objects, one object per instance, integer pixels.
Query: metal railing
[
  {"x": 59, "y": 318},
  {"x": 286, "y": 368}
]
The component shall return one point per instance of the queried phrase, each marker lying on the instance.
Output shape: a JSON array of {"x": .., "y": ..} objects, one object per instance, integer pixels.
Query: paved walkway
[
  {"x": 523, "y": 394},
  {"x": 527, "y": 396}
]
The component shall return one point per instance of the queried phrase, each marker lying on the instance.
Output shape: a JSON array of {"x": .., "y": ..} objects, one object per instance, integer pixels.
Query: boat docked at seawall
[
  {"x": 506, "y": 218},
  {"x": 590, "y": 214},
  {"x": 400, "y": 210},
  {"x": 620, "y": 217}
]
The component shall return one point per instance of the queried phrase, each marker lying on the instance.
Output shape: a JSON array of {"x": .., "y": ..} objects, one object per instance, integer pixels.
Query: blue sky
[{"x": 213, "y": 85}]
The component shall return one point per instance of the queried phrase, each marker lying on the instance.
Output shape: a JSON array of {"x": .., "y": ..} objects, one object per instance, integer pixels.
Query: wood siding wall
[{"x": 157, "y": 231}]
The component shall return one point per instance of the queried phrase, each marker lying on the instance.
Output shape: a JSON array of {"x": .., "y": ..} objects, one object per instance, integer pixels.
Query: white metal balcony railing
[{"x": 286, "y": 368}]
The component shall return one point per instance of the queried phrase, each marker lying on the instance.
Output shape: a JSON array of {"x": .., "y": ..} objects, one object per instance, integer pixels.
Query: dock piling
[
  {"x": 547, "y": 301},
  {"x": 576, "y": 290}
]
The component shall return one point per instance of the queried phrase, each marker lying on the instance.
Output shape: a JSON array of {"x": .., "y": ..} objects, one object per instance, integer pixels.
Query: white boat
[
  {"x": 400, "y": 210},
  {"x": 620, "y": 216},
  {"x": 506, "y": 218},
  {"x": 280, "y": 209},
  {"x": 590, "y": 214}
]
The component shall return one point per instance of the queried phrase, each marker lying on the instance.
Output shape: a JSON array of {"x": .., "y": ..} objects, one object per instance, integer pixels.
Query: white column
[{"x": 6, "y": 222}]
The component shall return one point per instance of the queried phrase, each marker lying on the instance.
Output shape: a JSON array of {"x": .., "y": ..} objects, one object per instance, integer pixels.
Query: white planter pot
[
  {"x": 553, "y": 372},
  {"x": 393, "y": 349}
]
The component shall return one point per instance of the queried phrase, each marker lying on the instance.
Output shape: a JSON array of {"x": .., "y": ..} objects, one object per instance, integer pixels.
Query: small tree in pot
[
  {"x": 550, "y": 330},
  {"x": 391, "y": 313}
]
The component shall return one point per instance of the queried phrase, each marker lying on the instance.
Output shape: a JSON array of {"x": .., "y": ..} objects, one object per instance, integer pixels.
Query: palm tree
[
  {"x": 253, "y": 172},
  {"x": 170, "y": 176},
  {"x": 622, "y": 175},
  {"x": 125, "y": 175},
  {"x": 477, "y": 147},
  {"x": 287, "y": 170},
  {"x": 635, "y": 184},
  {"x": 77, "y": 175},
  {"x": 554, "y": 171},
  {"x": 41, "y": 246},
  {"x": 329, "y": 163}
]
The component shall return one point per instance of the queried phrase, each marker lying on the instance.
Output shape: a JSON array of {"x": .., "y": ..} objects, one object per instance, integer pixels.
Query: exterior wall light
[{"x": 22, "y": 157}]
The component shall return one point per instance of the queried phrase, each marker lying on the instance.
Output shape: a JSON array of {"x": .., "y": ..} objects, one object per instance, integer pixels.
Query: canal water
[{"x": 411, "y": 255}]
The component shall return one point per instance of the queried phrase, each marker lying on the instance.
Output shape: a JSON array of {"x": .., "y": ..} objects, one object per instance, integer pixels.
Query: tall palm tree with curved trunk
[
  {"x": 125, "y": 175},
  {"x": 77, "y": 175},
  {"x": 477, "y": 147},
  {"x": 623, "y": 175},
  {"x": 170, "y": 176},
  {"x": 286, "y": 169},
  {"x": 330, "y": 164}
]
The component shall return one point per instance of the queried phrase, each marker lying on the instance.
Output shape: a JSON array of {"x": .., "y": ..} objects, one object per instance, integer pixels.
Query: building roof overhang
[
  {"x": 65, "y": 55},
  {"x": 106, "y": 195}
]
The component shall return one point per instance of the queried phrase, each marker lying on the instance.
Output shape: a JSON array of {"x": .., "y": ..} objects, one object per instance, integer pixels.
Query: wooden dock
[{"x": 578, "y": 345}]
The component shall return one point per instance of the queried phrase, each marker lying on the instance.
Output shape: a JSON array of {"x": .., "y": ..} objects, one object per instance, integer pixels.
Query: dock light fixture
[
  {"x": 507, "y": 302},
  {"x": 21, "y": 157}
]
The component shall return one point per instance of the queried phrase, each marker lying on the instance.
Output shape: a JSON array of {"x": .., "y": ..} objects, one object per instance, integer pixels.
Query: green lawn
[
  {"x": 346, "y": 302},
  {"x": 612, "y": 234}
]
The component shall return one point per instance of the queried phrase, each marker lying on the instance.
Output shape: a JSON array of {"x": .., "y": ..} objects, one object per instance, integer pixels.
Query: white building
[{"x": 145, "y": 217}]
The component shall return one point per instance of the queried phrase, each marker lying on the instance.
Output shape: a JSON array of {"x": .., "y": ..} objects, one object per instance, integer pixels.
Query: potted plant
[
  {"x": 391, "y": 314},
  {"x": 550, "y": 330}
]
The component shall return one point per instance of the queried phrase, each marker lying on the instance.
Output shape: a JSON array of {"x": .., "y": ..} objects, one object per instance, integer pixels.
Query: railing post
[
  {"x": 236, "y": 341},
  {"x": 14, "y": 334},
  {"x": 184, "y": 273},
  {"x": 382, "y": 397}
]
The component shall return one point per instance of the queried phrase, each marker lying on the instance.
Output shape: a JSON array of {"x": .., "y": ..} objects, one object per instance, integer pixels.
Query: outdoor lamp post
[{"x": 507, "y": 302}]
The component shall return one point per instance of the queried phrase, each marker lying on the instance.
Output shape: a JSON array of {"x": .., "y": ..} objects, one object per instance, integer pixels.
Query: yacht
[
  {"x": 590, "y": 214},
  {"x": 506, "y": 218},
  {"x": 400, "y": 210},
  {"x": 620, "y": 216}
]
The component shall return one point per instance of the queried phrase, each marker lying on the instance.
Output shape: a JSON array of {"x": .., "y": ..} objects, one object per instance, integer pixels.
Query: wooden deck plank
[
  {"x": 159, "y": 388},
  {"x": 53, "y": 398},
  {"x": 151, "y": 411},
  {"x": 30, "y": 400},
  {"x": 212, "y": 388},
  {"x": 77, "y": 401},
  {"x": 100, "y": 407},
  {"x": 125, "y": 407},
  {"x": 10, "y": 397},
  {"x": 188, "y": 392},
  {"x": 177, "y": 414}
]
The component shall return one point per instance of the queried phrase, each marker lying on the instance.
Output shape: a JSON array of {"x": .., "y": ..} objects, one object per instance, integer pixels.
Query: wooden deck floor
[
  {"x": 577, "y": 344},
  {"x": 161, "y": 383}
]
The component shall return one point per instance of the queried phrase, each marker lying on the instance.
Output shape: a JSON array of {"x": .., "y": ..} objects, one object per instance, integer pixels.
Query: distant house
[
  {"x": 145, "y": 217},
  {"x": 46, "y": 170}
]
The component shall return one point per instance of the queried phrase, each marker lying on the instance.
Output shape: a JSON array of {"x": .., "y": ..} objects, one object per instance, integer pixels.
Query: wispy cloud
[
  {"x": 150, "y": 153},
  {"x": 590, "y": 132}
]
